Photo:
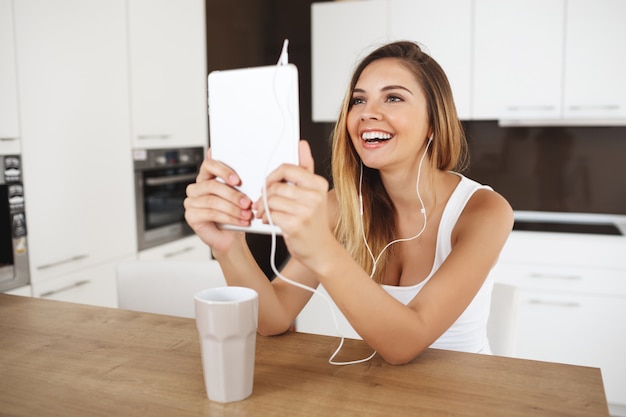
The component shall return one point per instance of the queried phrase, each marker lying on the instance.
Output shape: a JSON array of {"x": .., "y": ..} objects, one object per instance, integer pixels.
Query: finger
[
  {"x": 306, "y": 157},
  {"x": 286, "y": 212},
  {"x": 219, "y": 190},
  {"x": 212, "y": 168},
  {"x": 211, "y": 208},
  {"x": 217, "y": 202},
  {"x": 293, "y": 199}
]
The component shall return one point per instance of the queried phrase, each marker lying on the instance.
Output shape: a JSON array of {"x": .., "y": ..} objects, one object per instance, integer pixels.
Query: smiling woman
[{"x": 403, "y": 243}]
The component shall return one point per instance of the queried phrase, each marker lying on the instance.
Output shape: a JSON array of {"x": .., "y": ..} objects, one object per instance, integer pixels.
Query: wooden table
[{"x": 64, "y": 359}]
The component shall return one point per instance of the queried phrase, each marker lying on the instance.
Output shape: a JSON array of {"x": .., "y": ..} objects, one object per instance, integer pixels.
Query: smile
[{"x": 375, "y": 136}]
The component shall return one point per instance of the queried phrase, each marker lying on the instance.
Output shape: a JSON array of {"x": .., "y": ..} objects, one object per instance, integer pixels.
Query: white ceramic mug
[{"x": 227, "y": 319}]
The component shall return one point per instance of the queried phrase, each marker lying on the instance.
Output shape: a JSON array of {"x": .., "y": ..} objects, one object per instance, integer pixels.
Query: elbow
[
  {"x": 400, "y": 356},
  {"x": 273, "y": 329},
  {"x": 400, "y": 349}
]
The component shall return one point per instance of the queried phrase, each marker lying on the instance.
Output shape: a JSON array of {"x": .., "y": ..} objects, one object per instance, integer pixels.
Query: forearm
[{"x": 394, "y": 330}]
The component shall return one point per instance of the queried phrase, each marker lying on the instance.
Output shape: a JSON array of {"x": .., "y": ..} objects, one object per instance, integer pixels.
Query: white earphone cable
[
  {"x": 422, "y": 210},
  {"x": 283, "y": 60},
  {"x": 331, "y": 360}
]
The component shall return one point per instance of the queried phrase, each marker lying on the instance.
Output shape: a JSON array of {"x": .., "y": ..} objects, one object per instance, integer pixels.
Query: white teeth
[{"x": 376, "y": 135}]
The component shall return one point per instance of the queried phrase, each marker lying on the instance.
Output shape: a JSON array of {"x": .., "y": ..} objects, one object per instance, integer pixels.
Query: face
[{"x": 388, "y": 120}]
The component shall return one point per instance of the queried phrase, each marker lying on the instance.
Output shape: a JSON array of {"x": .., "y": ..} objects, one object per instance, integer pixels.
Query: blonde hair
[{"x": 448, "y": 151}]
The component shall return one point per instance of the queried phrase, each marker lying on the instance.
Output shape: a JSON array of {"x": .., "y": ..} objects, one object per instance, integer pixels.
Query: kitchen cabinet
[
  {"x": 576, "y": 329},
  {"x": 94, "y": 285},
  {"x": 168, "y": 77},
  {"x": 544, "y": 61},
  {"x": 550, "y": 60},
  {"x": 73, "y": 85},
  {"x": 444, "y": 28},
  {"x": 9, "y": 120},
  {"x": 336, "y": 48},
  {"x": 571, "y": 301},
  {"x": 595, "y": 62},
  {"x": 518, "y": 59},
  {"x": 190, "y": 248},
  {"x": 24, "y": 291}
]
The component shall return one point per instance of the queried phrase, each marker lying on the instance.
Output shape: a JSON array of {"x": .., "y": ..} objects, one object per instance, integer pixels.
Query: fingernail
[{"x": 245, "y": 202}]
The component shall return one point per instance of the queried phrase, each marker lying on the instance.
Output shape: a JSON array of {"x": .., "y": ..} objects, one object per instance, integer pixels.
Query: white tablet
[{"x": 254, "y": 125}]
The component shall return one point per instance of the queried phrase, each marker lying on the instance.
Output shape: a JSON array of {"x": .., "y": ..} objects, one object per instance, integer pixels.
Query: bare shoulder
[{"x": 488, "y": 211}]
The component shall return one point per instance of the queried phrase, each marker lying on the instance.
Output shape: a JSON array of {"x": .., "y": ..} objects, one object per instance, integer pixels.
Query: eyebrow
[{"x": 386, "y": 88}]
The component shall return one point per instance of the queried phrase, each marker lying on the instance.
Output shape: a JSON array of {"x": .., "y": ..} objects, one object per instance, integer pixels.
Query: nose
[{"x": 371, "y": 111}]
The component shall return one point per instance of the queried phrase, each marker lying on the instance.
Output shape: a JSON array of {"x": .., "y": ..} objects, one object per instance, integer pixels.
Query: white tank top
[{"x": 469, "y": 332}]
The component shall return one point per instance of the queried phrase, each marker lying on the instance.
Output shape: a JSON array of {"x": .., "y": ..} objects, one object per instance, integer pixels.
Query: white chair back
[
  {"x": 501, "y": 326},
  {"x": 316, "y": 317},
  {"x": 165, "y": 286}
]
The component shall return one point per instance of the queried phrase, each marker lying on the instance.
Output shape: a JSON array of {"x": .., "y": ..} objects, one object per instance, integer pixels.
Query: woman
[{"x": 395, "y": 145}]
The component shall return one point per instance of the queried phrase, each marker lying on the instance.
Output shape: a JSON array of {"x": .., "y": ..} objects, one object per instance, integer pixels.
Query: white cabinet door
[
  {"x": 25, "y": 291},
  {"x": 73, "y": 84},
  {"x": 595, "y": 59},
  {"x": 168, "y": 81},
  {"x": 95, "y": 285},
  {"x": 575, "y": 329},
  {"x": 9, "y": 122},
  {"x": 518, "y": 59},
  {"x": 444, "y": 28},
  {"x": 190, "y": 248},
  {"x": 341, "y": 34}
]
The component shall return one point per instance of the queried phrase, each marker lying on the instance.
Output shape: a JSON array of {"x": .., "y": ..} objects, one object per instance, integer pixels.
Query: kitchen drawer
[
  {"x": 190, "y": 248},
  {"x": 575, "y": 250},
  {"x": 563, "y": 279},
  {"x": 575, "y": 329},
  {"x": 95, "y": 286},
  {"x": 24, "y": 290}
]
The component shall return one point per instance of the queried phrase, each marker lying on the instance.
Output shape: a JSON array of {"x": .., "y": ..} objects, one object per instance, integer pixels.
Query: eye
[
  {"x": 394, "y": 99},
  {"x": 356, "y": 100}
]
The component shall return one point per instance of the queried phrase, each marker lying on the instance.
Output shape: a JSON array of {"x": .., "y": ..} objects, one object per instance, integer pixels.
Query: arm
[
  {"x": 213, "y": 200},
  {"x": 397, "y": 332}
]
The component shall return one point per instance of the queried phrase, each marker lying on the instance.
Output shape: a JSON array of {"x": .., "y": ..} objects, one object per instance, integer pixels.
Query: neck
[{"x": 401, "y": 187}]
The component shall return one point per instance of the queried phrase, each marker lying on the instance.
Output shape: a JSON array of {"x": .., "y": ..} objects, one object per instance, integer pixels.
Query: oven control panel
[{"x": 158, "y": 158}]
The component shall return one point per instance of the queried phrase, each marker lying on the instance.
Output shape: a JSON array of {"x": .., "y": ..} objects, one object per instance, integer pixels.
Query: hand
[
  {"x": 213, "y": 200},
  {"x": 297, "y": 201}
]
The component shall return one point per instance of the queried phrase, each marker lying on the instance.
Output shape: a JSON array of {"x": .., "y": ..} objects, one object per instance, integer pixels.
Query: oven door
[
  {"x": 160, "y": 213},
  {"x": 13, "y": 249}
]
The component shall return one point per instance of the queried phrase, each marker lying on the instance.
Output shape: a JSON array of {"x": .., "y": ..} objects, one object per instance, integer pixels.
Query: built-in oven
[
  {"x": 14, "y": 269},
  {"x": 161, "y": 179}
]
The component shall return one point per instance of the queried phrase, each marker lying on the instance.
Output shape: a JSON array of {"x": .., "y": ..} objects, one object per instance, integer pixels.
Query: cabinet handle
[
  {"x": 178, "y": 252},
  {"x": 162, "y": 136},
  {"x": 170, "y": 180},
  {"x": 62, "y": 289},
  {"x": 568, "y": 277},
  {"x": 595, "y": 107},
  {"x": 8, "y": 139},
  {"x": 554, "y": 303},
  {"x": 63, "y": 261},
  {"x": 531, "y": 107}
]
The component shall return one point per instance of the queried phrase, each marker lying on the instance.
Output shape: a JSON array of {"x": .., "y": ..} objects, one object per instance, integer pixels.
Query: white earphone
[{"x": 422, "y": 210}]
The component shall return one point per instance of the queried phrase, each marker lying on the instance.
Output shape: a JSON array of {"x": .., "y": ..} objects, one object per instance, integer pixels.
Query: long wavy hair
[{"x": 448, "y": 151}]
